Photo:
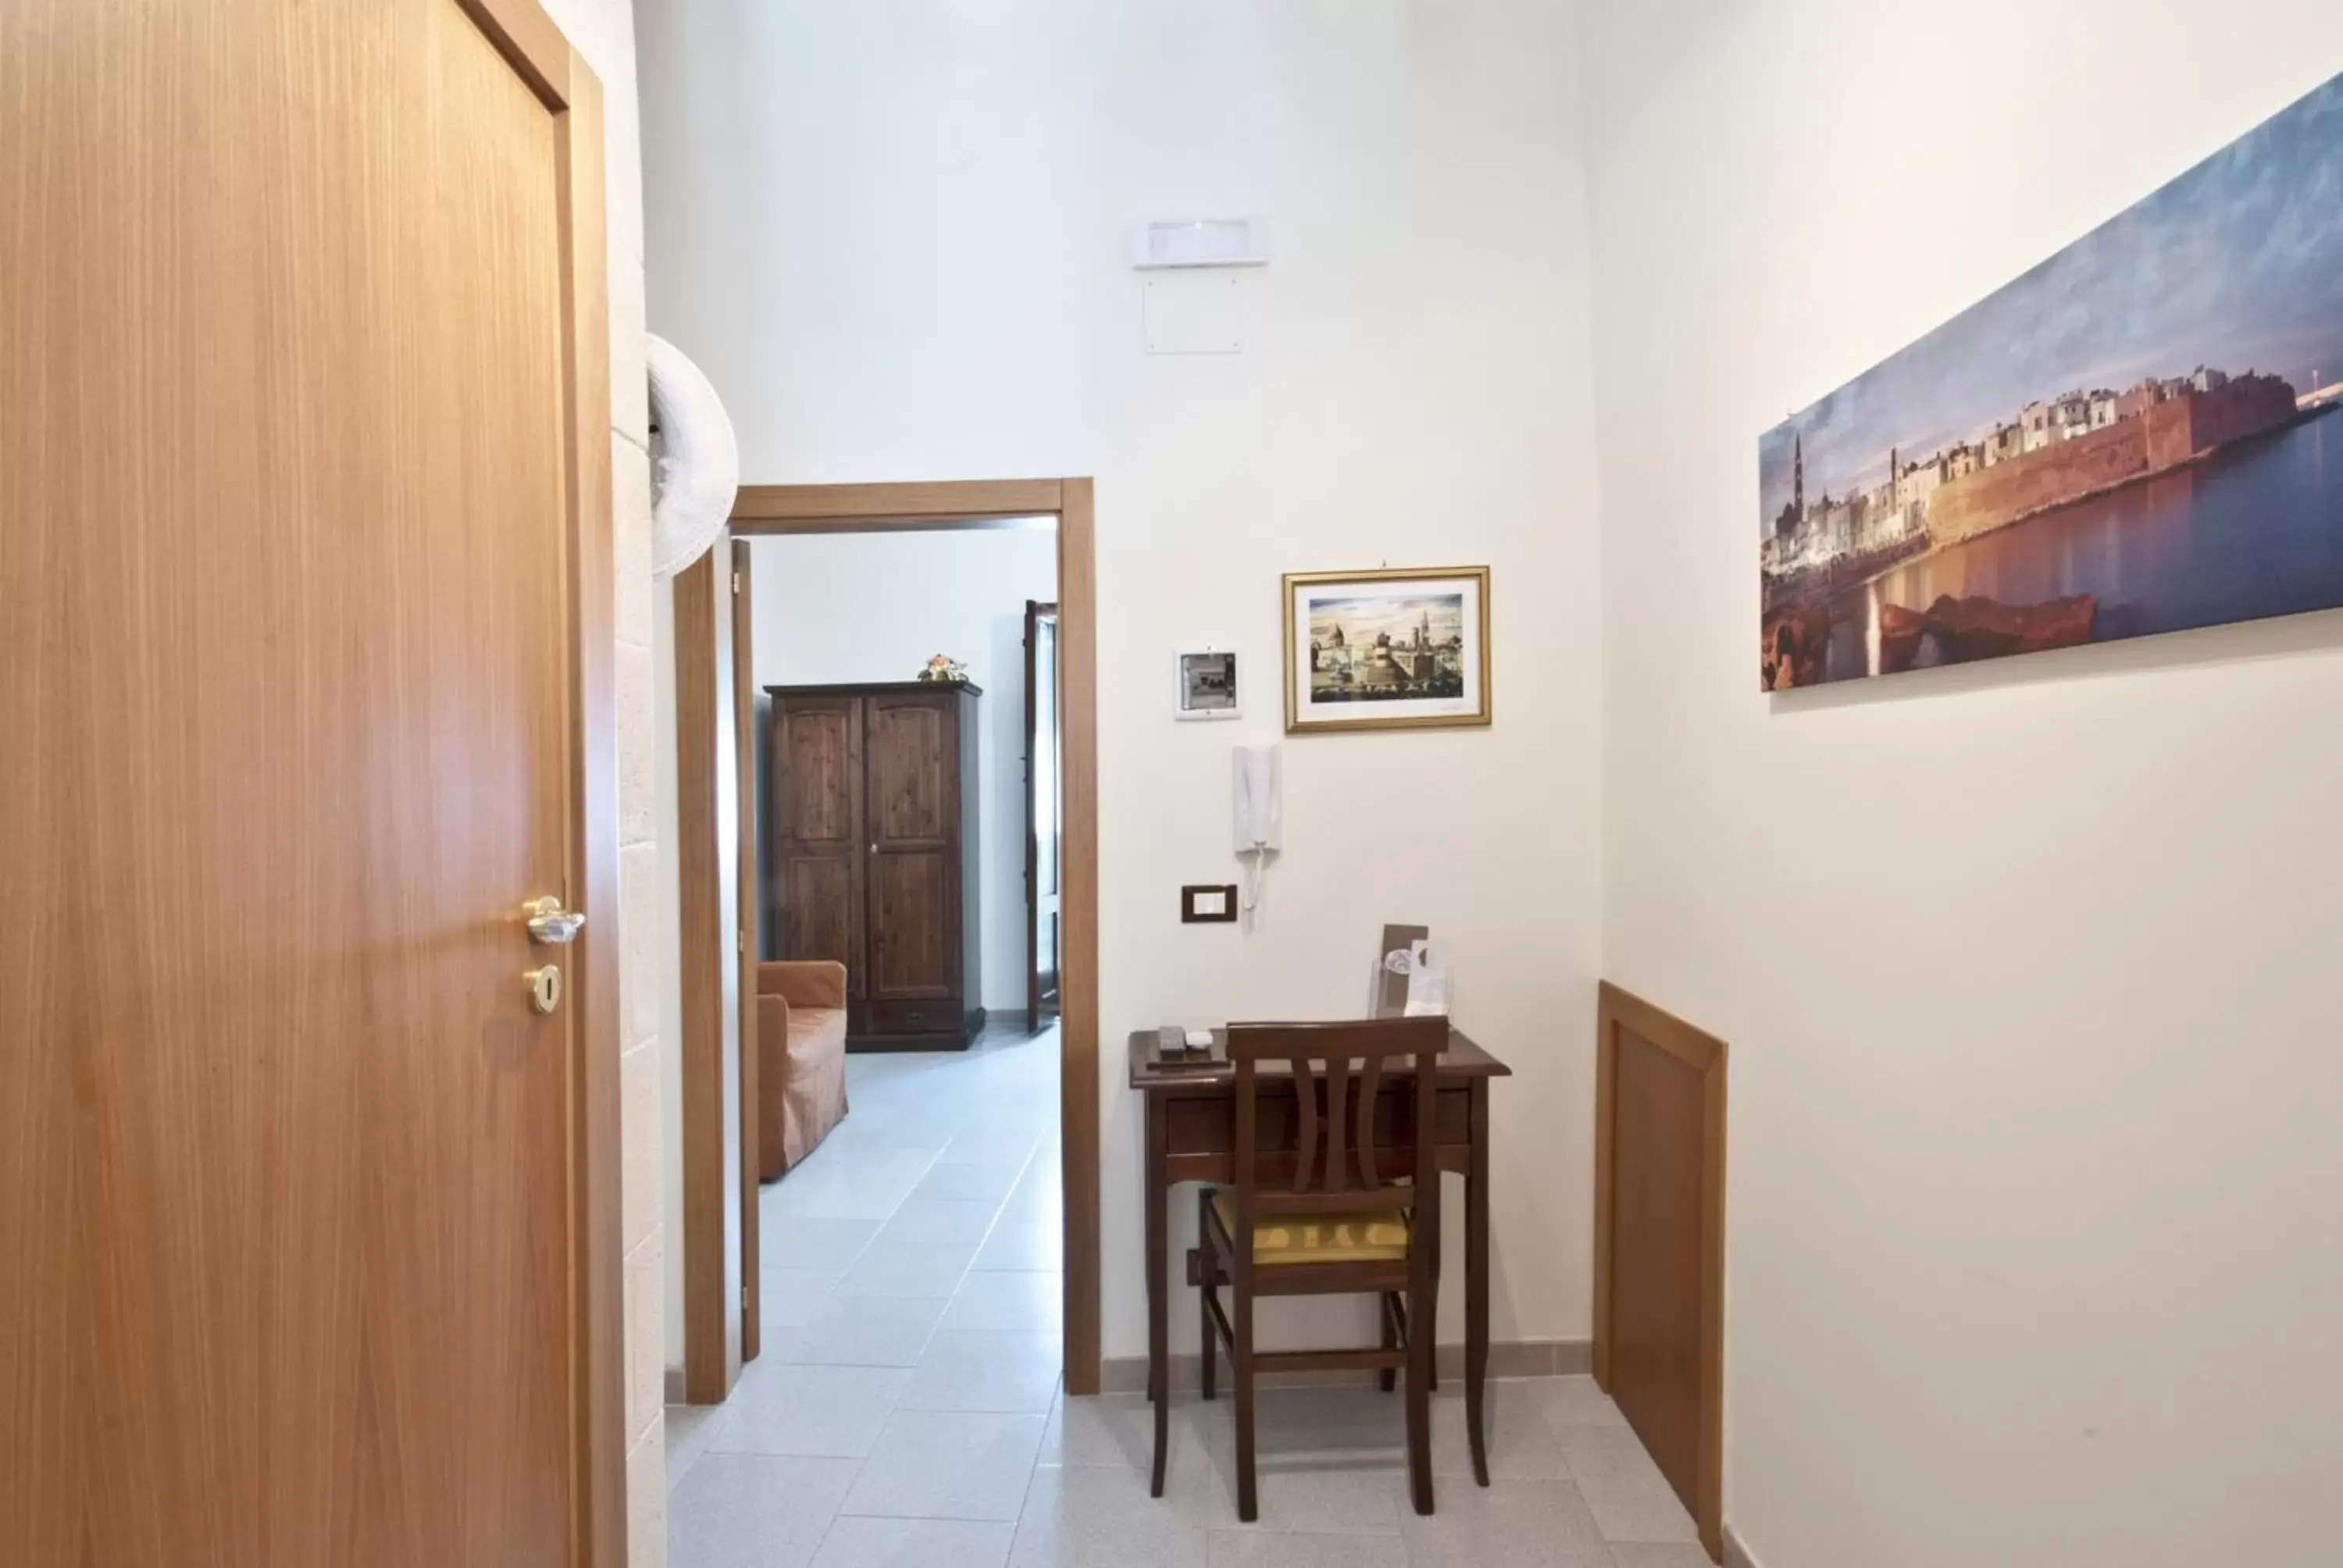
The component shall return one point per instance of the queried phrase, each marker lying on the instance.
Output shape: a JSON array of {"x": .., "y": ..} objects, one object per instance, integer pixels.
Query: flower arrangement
[{"x": 944, "y": 668}]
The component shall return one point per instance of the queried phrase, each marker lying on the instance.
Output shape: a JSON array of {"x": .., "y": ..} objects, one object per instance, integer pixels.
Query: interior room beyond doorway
[{"x": 906, "y": 815}]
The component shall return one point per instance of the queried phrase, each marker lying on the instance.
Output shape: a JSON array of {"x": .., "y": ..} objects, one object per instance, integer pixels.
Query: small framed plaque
[{"x": 1207, "y": 685}]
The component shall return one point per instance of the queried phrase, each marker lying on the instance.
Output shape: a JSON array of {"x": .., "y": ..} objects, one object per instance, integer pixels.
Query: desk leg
[
  {"x": 1477, "y": 1281},
  {"x": 1159, "y": 1307}
]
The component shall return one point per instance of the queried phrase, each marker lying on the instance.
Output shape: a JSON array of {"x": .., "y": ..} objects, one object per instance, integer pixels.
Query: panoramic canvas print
[{"x": 2133, "y": 438}]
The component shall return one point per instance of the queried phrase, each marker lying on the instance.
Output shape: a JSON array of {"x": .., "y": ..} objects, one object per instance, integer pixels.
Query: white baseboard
[{"x": 1736, "y": 1550}]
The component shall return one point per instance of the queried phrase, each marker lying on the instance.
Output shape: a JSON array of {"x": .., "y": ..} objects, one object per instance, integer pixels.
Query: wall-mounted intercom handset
[
  {"x": 1260, "y": 816},
  {"x": 1259, "y": 813}
]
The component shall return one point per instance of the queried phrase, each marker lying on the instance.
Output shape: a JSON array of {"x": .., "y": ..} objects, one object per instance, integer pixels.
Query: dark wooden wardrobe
[{"x": 870, "y": 835}]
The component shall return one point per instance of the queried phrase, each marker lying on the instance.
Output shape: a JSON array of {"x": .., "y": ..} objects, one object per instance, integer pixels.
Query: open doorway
[
  {"x": 898, "y": 765},
  {"x": 943, "y": 1188}
]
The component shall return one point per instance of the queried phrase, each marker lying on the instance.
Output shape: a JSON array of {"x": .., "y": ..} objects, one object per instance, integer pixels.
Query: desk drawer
[{"x": 1208, "y": 1125}]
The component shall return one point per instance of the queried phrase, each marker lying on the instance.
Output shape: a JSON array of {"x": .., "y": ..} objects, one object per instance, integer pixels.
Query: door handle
[{"x": 551, "y": 924}]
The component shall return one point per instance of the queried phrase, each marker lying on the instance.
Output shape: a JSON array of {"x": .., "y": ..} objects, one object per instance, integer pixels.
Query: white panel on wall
[{"x": 1197, "y": 314}]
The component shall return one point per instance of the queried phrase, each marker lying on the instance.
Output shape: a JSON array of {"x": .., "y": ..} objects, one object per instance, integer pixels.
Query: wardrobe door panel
[
  {"x": 817, "y": 796},
  {"x": 817, "y": 833},
  {"x": 818, "y": 904},
  {"x": 913, "y": 772},
  {"x": 913, "y": 936},
  {"x": 912, "y": 760}
]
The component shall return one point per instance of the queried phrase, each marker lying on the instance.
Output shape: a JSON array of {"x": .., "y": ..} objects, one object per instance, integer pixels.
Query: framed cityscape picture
[{"x": 1400, "y": 648}]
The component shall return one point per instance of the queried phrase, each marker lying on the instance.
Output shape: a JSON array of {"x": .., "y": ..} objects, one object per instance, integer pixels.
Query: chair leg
[
  {"x": 1387, "y": 1379},
  {"x": 1419, "y": 1411},
  {"x": 1432, "y": 1316},
  {"x": 1205, "y": 1298},
  {"x": 1240, "y": 1366}
]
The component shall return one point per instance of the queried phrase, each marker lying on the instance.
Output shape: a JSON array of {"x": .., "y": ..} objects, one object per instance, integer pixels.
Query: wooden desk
[{"x": 1190, "y": 1132}]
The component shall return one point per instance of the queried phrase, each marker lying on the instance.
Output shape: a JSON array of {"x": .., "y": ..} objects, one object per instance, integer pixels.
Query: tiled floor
[{"x": 905, "y": 1414}]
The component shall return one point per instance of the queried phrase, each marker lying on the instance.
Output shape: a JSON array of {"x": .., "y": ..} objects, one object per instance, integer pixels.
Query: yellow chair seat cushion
[{"x": 1380, "y": 1238}]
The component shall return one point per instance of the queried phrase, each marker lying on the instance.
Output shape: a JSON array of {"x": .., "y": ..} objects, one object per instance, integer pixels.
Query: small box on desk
[{"x": 1172, "y": 1050}]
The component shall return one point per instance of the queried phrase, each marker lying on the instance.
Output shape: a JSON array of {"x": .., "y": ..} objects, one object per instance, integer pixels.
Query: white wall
[
  {"x": 875, "y": 606},
  {"x": 2028, "y": 969},
  {"x": 892, "y": 234}
]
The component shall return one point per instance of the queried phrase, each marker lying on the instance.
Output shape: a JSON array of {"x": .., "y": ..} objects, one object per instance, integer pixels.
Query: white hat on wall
[{"x": 695, "y": 460}]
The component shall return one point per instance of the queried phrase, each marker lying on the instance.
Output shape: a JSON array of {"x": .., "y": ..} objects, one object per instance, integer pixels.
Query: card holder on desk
[{"x": 1173, "y": 1053}]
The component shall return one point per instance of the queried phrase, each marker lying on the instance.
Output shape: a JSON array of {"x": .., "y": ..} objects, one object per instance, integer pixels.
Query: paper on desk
[{"x": 1427, "y": 981}]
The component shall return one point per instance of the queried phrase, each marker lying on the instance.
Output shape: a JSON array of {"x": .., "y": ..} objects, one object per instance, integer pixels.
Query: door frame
[
  {"x": 543, "y": 56},
  {"x": 720, "y": 1294},
  {"x": 1618, "y": 1010},
  {"x": 581, "y": 1318},
  {"x": 770, "y": 510},
  {"x": 744, "y": 773},
  {"x": 1036, "y": 611}
]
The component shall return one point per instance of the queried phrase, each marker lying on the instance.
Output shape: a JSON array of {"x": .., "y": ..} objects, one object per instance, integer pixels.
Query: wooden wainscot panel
[{"x": 1659, "y": 1242}]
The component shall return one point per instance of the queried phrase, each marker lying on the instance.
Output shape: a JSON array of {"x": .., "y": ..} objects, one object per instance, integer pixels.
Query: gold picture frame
[{"x": 1393, "y": 647}]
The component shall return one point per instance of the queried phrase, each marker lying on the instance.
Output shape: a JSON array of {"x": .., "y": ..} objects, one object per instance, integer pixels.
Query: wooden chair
[{"x": 1317, "y": 1213}]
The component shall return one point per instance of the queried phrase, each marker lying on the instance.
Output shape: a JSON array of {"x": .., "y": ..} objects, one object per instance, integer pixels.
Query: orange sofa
[{"x": 801, "y": 1059}]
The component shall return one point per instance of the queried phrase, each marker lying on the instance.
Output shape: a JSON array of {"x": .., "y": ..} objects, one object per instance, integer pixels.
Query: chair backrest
[{"x": 1338, "y": 1072}]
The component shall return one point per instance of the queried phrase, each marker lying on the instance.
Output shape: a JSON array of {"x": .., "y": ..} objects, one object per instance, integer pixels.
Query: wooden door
[
  {"x": 817, "y": 825},
  {"x": 911, "y": 760},
  {"x": 294, "y": 457},
  {"x": 1043, "y": 820},
  {"x": 1659, "y": 1249}
]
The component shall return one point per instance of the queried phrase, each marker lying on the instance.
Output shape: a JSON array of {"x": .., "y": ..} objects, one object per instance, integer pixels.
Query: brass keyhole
[{"x": 544, "y": 987}]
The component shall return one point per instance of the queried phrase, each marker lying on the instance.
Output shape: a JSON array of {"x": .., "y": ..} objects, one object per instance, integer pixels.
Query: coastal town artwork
[
  {"x": 1386, "y": 649},
  {"x": 2134, "y": 438}
]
